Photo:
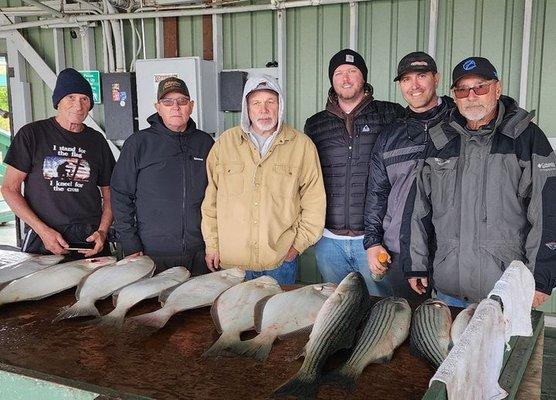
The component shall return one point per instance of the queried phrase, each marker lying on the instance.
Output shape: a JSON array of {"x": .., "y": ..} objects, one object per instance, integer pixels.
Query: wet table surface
[{"x": 167, "y": 364}]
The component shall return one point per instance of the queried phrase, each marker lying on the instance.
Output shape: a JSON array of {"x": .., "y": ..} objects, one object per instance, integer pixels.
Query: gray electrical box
[
  {"x": 120, "y": 105},
  {"x": 231, "y": 90}
]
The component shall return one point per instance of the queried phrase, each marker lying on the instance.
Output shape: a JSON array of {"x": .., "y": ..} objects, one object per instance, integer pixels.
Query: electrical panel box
[
  {"x": 231, "y": 90},
  {"x": 199, "y": 76},
  {"x": 120, "y": 104}
]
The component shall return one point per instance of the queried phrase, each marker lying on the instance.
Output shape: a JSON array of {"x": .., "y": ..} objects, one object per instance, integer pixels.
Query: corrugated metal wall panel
[
  {"x": 475, "y": 32},
  {"x": 190, "y": 36}
]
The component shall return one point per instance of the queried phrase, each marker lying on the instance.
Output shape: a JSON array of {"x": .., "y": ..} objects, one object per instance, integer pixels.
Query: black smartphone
[{"x": 81, "y": 245}]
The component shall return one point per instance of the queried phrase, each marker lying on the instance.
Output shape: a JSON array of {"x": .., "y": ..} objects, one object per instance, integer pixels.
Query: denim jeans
[
  {"x": 451, "y": 301},
  {"x": 285, "y": 274},
  {"x": 336, "y": 258}
]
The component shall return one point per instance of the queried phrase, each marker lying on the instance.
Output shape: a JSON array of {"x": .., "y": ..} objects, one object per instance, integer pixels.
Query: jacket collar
[{"x": 284, "y": 134}]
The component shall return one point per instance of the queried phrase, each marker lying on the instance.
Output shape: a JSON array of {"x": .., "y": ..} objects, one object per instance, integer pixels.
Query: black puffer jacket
[
  {"x": 394, "y": 162},
  {"x": 157, "y": 188},
  {"x": 345, "y": 158}
]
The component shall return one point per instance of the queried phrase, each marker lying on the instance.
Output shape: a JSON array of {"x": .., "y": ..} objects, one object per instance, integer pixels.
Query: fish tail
[
  {"x": 156, "y": 319},
  {"x": 301, "y": 385},
  {"x": 345, "y": 377},
  {"x": 114, "y": 319},
  {"x": 259, "y": 347},
  {"x": 222, "y": 344},
  {"x": 79, "y": 309}
]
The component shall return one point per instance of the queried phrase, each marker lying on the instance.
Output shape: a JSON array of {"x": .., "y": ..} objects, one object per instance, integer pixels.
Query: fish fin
[
  {"x": 111, "y": 320},
  {"x": 115, "y": 299},
  {"x": 79, "y": 309},
  {"x": 301, "y": 385},
  {"x": 163, "y": 296},
  {"x": 156, "y": 319},
  {"x": 258, "y": 348},
  {"x": 214, "y": 314},
  {"x": 344, "y": 377},
  {"x": 222, "y": 344},
  {"x": 259, "y": 307}
]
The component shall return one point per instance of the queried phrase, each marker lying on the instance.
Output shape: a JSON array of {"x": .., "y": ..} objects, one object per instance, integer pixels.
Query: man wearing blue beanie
[{"x": 66, "y": 167}]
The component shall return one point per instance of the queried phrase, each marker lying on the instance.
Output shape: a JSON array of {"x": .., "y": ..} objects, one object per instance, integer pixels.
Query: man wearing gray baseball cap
[{"x": 487, "y": 191}]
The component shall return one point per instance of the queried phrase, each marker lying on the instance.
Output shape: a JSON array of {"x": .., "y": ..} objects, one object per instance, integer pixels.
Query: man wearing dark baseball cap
[
  {"x": 159, "y": 182},
  {"x": 394, "y": 161},
  {"x": 344, "y": 134},
  {"x": 487, "y": 191},
  {"x": 66, "y": 167}
]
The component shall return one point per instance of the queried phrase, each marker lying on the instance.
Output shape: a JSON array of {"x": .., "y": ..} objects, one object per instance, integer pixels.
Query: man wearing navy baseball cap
[
  {"x": 487, "y": 191},
  {"x": 66, "y": 167},
  {"x": 345, "y": 133}
]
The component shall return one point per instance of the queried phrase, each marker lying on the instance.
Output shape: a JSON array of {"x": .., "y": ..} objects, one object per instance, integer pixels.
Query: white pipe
[
  {"x": 49, "y": 10},
  {"x": 108, "y": 41},
  {"x": 181, "y": 13},
  {"x": 527, "y": 15},
  {"x": 122, "y": 40},
  {"x": 353, "y": 25},
  {"x": 433, "y": 23},
  {"x": 118, "y": 44}
]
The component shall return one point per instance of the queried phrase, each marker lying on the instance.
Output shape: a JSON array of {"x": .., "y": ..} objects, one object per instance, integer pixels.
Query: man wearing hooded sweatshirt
[
  {"x": 265, "y": 200},
  {"x": 345, "y": 133},
  {"x": 397, "y": 155},
  {"x": 487, "y": 190},
  {"x": 159, "y": 183}
]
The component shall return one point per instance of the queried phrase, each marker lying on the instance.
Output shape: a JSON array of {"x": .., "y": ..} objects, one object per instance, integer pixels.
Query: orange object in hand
[{"x": 383, "y": 259}]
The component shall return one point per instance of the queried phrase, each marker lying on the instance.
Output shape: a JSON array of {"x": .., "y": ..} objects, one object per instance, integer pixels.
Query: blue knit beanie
[{"x": 70, "y": 81}]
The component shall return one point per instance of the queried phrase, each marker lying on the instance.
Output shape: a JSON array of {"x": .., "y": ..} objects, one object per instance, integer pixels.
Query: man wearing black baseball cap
[
  {"x": 344, "y": 134},
  {"x": 487, "y": 191},
  {"x": 395, "y": 158},
  {"x": 159, "y": 183},
  {"x": 66, "y": 167}
]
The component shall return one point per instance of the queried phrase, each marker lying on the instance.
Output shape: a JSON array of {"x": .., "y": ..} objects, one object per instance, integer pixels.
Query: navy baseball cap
[{"x": 474, "y": 66}]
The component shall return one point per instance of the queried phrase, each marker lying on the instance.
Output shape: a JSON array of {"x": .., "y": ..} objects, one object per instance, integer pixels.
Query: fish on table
[
  {"x": 27, "y": 267},
  {"x": 334, "y": 329},
  {"x": 51, "y": 280},
  {"x": 430, "y": 331},
  {"x": 233, "y": 311},
  {"x": 461, "y": 321},
  {"x": 143, "y": 289},
  {"x": 283, "y": 315},
  {"x": 386, "y": 328},
  {"x": 197, "y": 292},
  {"x": 104, "y": 282}
]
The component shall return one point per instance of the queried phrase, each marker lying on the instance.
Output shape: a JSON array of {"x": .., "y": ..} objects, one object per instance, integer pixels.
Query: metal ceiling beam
[{"x": 44, "y": 7}]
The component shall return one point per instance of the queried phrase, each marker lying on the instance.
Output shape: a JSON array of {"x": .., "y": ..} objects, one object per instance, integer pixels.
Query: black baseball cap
[
  {"x": 171, "y": 84},
  {"x": 474, "y": 66},
  {"x": 418, "y": 61}
]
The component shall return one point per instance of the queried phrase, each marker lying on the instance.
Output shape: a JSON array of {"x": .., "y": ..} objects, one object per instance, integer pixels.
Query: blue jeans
[
  {"x": 451, "y": 301},
  {"x": 285, "y": 274},
  {"x": 336, "y": 258}
]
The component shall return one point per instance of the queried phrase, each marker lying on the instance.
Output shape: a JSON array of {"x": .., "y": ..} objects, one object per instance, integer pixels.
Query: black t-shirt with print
[{"x": 64, "y": 171}]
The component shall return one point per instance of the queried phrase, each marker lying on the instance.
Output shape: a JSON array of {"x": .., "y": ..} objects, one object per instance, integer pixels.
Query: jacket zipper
[
  {"x": 348, "y": 181},
  {"x": 183, "y": 210}
]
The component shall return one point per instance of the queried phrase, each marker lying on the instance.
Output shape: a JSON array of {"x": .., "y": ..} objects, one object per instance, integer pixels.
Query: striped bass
[
  {"x": 385, "y": 330},
  {"x": 282, "y": 315},
  {"x": 430, "y": 331},
  {"x": 27, "y": 267},
  {"x": 197, "y": 292},
  {"x": 461, "y": 321},
  {"x": 334, "y": 329},
  {"x": 105, "y": 281},
  {"x": 141, "y": 290},
  {"x": 51, "y": 280},
  {"x": 233, "y": 311}
]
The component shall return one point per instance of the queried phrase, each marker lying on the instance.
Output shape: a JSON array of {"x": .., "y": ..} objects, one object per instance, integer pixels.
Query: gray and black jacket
[
  {"x": 396, "y": 156},
  {"x": 490, "y": 198}
]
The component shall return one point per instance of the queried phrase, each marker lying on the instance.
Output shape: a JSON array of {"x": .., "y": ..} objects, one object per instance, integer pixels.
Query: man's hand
[
  {"x": 99, "y": 237},
  {"x": 419, "y": 284},
  {"x": 213, "y": 261},
  {"x": 53, "y": 241},
  {"x": 292, "y": 253},
  {"x": 539, "y": 298},
  {"x": 375, "y": 265},
  {"x": 133, "y": 255}
]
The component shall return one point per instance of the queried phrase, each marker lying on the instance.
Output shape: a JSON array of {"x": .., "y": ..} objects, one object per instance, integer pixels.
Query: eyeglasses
[
  {"x": 479, "y": 90},
  {"x": 182, "y": 101}
]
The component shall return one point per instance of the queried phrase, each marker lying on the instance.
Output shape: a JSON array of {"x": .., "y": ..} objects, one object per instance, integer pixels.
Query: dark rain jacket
[
  {"x": 344, "y": 145},
  {"x": 157, "y": 188},
  {"x": 396, "y": 157},
  {"x": 490, "y": 199}
]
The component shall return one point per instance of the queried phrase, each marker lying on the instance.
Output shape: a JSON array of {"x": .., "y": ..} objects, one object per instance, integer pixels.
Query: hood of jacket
[{"x": 250, "y": 86}]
